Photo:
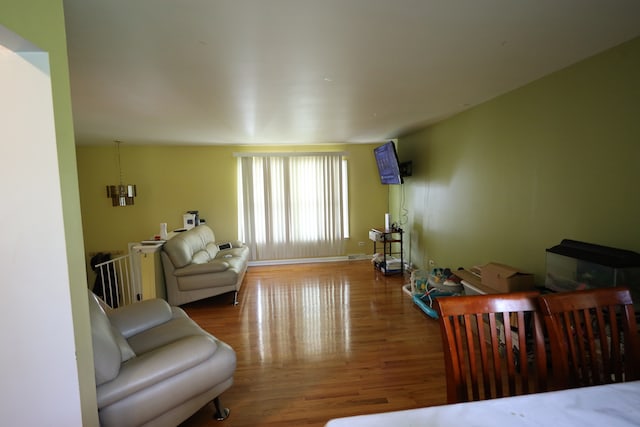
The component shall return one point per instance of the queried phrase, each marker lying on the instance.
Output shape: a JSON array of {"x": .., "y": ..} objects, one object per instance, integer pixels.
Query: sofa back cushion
[
  {"x": 182, "y": 247},
  {"x": 106, "y": 352},
  {"x": 212, "y": 249}
]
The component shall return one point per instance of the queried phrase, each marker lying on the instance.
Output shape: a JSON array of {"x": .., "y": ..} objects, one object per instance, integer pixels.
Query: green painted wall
[
  {"x": 42, "y": 23},
  {"x": 171, "y": 180},
  {"x": 557, "y": 158}
]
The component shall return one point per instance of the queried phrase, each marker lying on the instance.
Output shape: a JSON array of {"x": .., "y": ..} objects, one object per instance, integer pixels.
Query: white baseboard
[
  {"x": 359, "y": 256},
  {"x": 353, "y": 257}
]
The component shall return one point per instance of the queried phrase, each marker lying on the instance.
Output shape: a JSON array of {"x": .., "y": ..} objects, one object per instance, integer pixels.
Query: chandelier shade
[{"x": 121, "y": 194}]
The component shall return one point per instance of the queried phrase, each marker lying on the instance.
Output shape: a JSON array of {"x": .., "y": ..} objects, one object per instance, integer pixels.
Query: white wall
[{"x": 38, "y": 359}]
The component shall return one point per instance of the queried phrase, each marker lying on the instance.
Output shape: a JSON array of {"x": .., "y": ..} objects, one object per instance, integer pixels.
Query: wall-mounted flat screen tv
[{"x": 388, "y": 165}]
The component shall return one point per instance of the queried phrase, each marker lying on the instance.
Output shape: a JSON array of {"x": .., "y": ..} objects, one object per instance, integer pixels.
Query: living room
[
  {"x": 499, "y": 182},
  {"x": 556, "y": 158}
]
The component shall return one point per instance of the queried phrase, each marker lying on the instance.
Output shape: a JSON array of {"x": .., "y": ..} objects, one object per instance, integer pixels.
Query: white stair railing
[{"x": 119, "y": 285}]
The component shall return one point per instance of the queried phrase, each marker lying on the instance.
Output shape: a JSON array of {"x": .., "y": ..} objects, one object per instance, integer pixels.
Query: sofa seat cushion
[
  {"x": 223, "y": 279},
  {"x": 156, "y": 366},
  {"x": 213, "y": 266}
]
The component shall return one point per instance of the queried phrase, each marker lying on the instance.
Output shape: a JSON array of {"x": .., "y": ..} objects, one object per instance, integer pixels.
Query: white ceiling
[{"x": 314, "y": 71}]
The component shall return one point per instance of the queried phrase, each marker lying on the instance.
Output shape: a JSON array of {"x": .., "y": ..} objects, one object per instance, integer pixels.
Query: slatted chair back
[
  {"x": 493, "y": 345},
  {"x": 593, "y": 336}
]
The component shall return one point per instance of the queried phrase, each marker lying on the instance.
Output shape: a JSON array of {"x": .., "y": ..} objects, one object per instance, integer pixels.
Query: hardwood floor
[{"x": 321, "y": 341}]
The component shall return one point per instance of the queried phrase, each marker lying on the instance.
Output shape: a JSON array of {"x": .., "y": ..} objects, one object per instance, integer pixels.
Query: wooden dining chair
[
  {"x": 493, "y": 345},
  {"x": 593, "y": 336}
]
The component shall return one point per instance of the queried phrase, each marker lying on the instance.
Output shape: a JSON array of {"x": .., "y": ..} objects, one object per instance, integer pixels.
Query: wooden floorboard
[{"x": 321, "y": 341}]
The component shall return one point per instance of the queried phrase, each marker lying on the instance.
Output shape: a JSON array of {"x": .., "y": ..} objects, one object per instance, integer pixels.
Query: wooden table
[{"x": 612, "y": 405}]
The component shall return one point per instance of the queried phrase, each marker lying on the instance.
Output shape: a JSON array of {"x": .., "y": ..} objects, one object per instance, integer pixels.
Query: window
[{"x": 292, "y": 205}]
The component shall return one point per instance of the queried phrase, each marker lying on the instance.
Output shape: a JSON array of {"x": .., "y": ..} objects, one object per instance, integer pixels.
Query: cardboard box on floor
[
  {"x": 498, "y": 278},
  {"x": 474, "y": 280},
  {"x": 505, "y": 278}
]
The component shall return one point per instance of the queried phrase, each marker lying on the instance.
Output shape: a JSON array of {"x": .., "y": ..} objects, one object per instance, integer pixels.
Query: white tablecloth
[{"x": 613, "y": 405}]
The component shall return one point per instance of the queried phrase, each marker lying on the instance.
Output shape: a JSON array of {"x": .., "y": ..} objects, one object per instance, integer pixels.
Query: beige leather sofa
[
  {"x": 195, "y": 268},
  {"x": 155, "y": 366}
]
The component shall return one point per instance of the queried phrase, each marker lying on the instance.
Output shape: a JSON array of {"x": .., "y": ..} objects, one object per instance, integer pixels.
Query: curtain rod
[{"x": 290, "y": 154}]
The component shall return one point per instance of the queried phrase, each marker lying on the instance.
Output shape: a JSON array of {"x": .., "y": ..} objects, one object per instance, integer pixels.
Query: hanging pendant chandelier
[{"x": 121, "y": 195}]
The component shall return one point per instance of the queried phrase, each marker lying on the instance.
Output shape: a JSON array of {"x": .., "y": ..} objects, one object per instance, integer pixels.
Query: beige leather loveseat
[
  {"x": 195, "y": 267},
  {"x": 154, "y": 366}
]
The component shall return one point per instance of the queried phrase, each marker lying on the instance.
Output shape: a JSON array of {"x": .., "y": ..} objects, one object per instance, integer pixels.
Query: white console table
[
  {"x": 149, "y": 270},
  {"x": 611, "y": 405}
]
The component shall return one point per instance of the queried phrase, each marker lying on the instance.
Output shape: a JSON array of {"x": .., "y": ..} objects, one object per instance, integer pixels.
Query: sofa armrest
[
  {"x": 135, "y": 318},
  {"x": 213, "y": 266},
  {"x": 156, "y": 366}
]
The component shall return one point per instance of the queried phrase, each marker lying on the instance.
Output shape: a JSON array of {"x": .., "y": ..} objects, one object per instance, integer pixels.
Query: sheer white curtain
[{"x": 291, "y": 206}]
